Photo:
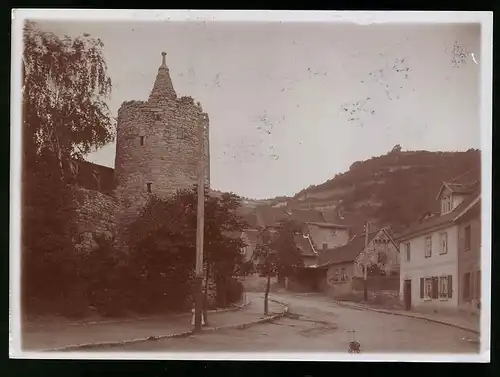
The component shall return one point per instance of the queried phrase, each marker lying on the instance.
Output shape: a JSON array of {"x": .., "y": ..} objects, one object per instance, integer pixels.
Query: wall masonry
[{"x": 95, "y": 213}]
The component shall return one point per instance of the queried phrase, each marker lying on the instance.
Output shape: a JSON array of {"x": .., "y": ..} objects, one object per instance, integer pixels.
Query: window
[
  {"x": 446, "y": 204},
  {"x": 467, "y": 237},
  {"x": 428, "y": 288},
  {"x": 466, "y": 290},
  {"x": 157, "y": 116},
  {"x": 443, "y": 287},
  {"x": 428, "y": 247},
  {"x": 343, "y": 275},
  {"x": 141, "y": 138},
  {"x": 444, "y": 243},
  {"x": 325, "y": 246},
  {"x": 149, "y": 186},
  {"x": 478, "y": 284},
  {"x": 336, "y": 276},
  {"x": 408, "y": 251}
]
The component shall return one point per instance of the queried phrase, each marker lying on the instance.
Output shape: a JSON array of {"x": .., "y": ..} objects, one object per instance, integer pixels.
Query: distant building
[
  {"x": 431, "y": 276},
  {"x": 251, "y": 239},
  {"x": 341, "y": 269}
]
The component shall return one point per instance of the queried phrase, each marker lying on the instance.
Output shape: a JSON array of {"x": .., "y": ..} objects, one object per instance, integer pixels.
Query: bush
[{"x": 234, "y": 291}]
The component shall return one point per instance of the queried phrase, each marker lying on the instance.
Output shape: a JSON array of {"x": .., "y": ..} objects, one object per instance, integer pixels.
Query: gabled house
[
  {"x": 318, "y": 230},
  {"x": 325, "y": 235},
  {"x": 324, "y": 230},
  {"x": 340, "y": 270},
  {"x": 429, "y": 251}
]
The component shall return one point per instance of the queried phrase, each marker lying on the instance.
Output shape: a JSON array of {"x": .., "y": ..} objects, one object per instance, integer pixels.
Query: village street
[{"x": 319, "y": 325}]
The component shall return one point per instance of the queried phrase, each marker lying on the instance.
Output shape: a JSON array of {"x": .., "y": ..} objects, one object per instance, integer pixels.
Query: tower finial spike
[{"x": 163, "y": 58}]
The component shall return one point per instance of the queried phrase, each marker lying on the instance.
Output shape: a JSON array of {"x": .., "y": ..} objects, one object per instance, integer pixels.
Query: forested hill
[{"x": 394, "y": 189}]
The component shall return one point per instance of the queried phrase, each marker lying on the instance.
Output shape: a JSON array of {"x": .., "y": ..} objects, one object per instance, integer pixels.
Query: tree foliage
[
  {"x": 65, "y": 88},
  {"x": 64, "y": 116},
  {"x": 164, "y": 250},
  {"x": 277, "y": 253},
  {"x": 276, "y": 250}
]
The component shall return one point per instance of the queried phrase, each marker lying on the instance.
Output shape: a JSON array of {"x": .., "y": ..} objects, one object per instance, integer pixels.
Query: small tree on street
[{"x": 277, "y": 253}]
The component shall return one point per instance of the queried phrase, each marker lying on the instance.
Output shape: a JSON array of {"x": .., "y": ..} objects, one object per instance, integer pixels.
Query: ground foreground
[
  {"x": 57, "y": 335},
  {"x": 319, "y": 325}
]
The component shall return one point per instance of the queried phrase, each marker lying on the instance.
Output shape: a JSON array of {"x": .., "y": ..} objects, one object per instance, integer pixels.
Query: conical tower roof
[{"x": 162, "y": 88}]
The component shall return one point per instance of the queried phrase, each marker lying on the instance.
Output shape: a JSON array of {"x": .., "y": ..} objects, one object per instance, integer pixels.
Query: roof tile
[
  {"x": 436, "y": 221},
  {"x": 346, "y": 253},
  {"x": 304, "y": 245}
]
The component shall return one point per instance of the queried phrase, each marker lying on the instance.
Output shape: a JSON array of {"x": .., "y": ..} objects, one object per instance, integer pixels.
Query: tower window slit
[
  {"x": 142, "y": 140},
  {"x": 149, "y": 186}
]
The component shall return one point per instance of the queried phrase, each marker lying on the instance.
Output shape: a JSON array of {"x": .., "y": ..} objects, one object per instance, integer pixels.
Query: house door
[{"x": 407, "y": 294}]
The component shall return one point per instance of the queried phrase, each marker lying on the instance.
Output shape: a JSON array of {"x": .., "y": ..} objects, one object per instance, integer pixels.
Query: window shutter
[
  {"x": 450, "y": 286},
  {"x": 421, "y": 287},
  {"x": 478, "y": 284},
  {"x": 435, "y": 286}
]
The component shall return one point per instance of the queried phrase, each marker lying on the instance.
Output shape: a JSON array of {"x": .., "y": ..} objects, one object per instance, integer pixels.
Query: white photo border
[{"x": 19, "y": 16}]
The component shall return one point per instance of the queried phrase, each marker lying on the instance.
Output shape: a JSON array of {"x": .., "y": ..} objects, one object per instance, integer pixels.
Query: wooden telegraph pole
[
  {"x": 365, "y": 267},
  {"x": 198, "y": 309}
]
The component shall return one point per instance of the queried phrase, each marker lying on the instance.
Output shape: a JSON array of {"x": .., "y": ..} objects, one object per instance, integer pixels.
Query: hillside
[{"x": 394, "y": 189}]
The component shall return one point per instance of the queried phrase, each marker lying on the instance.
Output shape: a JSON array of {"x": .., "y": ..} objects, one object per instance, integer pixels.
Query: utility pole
[
  {"x": 198, "y": 309},
  {"x": 365, "y": 267}
]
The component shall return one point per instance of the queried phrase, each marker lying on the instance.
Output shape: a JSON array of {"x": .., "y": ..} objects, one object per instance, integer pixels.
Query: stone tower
[{"x": 156, "y": 149}]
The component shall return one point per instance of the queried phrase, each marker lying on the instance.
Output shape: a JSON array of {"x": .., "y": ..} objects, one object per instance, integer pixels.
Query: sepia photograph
[{"x": 271, "y": 185}]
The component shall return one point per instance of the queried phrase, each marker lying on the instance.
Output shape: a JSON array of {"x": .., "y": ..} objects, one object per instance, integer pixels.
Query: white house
[{"x": 429, "y": 252}]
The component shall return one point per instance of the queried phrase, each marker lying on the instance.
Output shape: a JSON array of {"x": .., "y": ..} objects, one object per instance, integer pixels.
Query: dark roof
[
  {"x": 93, "y": 176},
  {"x": 327, "y": 225},
  {"x": 353, "y": 220},
  {"x": 333, "y": 217},
  {"x": 458, "y": 188},
  {"x": 273, "y": 216},
  {"x": 438, "y": 221},
  {"x": 304, "y": 245},
  {"x": 270, "y": 216},
  {"x": 465, "y": 183},
  {"x": 346, "y": 253},
  {"x": 306, "y": 215},
  {"x": 468, "y": 177},
  {"x": 428, "y": 214},
  {"x": 473, "y": 209}
]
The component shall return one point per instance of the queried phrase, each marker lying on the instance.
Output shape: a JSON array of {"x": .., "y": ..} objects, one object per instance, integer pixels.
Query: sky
[{"x": 293, "y": 104}]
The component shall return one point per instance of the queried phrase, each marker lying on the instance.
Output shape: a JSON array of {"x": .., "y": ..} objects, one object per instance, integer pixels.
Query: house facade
[
  {"x": 341, "y": 269},
  {"x": 429, "y": 278},
  {"x": 327, "y": 235},
  {"x": 469, "y": 258}
]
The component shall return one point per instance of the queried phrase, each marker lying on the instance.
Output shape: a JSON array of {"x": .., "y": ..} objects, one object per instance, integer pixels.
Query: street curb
[
  {"x": 251, "y": 323},
  {"x": 213, "y": 311},
  {"x": 408, "y": 316},
  {"x": 233, "y": 309},
  {"x": 184, "y": 334}
]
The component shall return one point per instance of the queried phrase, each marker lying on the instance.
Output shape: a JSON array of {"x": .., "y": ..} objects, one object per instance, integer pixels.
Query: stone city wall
[{"x": 95, "y": 214}]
